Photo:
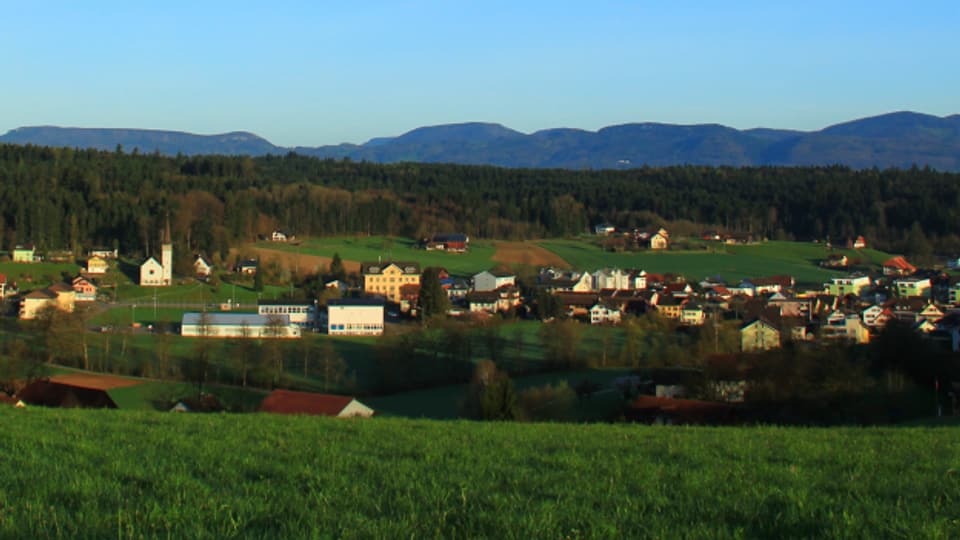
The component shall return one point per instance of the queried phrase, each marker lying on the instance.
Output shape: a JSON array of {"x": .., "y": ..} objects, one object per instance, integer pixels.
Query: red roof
[
  {"x": 94, "y": 381},
  {"x": 899, "y": 263},
  {"x": 290, "y": 402}
]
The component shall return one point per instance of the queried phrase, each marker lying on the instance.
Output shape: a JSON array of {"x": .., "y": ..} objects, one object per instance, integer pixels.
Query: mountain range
[{"x": 900, "y": 139}]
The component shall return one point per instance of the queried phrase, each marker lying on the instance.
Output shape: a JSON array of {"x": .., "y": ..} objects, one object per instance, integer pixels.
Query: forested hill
[
  {"x": 60, "y": 198},
  {"x": 892, "y": 140}
]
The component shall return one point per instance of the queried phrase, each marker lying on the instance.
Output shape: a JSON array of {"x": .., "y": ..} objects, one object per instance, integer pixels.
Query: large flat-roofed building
[
  {"x": 301, "y": 312},
  {"x": 238, "y": 325},
  {"x": 355, "y": 317}
]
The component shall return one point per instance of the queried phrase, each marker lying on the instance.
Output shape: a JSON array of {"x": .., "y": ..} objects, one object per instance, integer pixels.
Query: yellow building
[
  {"x": 385, "y": 279},
  {"x": 759, "y": 335},
  {"x": 96, "y": 265},
  {"x": 59, "y": 296}
]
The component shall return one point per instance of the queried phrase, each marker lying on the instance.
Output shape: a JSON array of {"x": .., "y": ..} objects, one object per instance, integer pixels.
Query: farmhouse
[
  {"x": 450, "y": 242},
  {"x": 237, "y": 325},
  {"x": 386, "y": 279},
  {"x": 355, "y": 317},
  {"x": 290, "y": 402},
  {"x": 74, "y": 390}
]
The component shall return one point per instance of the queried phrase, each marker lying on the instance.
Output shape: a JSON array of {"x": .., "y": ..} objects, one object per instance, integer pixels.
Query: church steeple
[{"x": 167, "y": 237}]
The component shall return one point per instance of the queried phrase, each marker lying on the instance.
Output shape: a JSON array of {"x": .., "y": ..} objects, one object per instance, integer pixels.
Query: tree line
[{"x": 61, "y": 198}]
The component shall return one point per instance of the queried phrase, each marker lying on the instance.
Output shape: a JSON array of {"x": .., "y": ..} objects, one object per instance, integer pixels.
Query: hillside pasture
[
  {"x": 733, "y": 263},
  {"x": 103, "y": 474}
]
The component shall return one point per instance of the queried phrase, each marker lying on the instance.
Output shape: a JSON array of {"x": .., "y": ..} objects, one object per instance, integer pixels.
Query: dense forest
[{"x": 60, "y": 198}]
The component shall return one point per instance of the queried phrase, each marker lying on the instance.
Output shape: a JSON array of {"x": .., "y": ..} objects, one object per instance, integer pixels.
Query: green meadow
[
  {"x": 373, "y": 248},
  {"x": 733, "y": 263},
  {"x": 118, "y": 474}
]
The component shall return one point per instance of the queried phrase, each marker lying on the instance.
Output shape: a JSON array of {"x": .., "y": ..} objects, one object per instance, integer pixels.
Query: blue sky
[{"x": 312, "y": 73}]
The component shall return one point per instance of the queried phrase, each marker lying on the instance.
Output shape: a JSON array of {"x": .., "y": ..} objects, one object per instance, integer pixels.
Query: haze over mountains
[{"x": 899, "y": 139}]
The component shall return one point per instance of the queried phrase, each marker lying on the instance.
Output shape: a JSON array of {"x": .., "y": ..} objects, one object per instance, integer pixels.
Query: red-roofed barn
[{"x": 290, "y": 402}]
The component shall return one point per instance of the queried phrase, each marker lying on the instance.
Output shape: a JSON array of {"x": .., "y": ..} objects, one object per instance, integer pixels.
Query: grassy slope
[
  {"x": 99, "y": 474},
  {"x": 731, "y": 262},
  {"x": 369, "y": 248}
]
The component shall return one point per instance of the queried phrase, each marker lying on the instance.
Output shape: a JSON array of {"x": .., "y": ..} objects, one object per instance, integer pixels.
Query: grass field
[
  {"x": 730, "y": 262},
  {"x": 30, "y": 276},
  {"x": 358, "y": 249},
  {"x": 116, "y": 474}
]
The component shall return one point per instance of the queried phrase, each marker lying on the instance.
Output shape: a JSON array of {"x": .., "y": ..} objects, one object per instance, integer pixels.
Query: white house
[
  {"x": 202, "y": 267},
  {"x": 612, "y": 279},
  {"x": 601, "y": 313},
  {"x": 604, "y": 229},
  {"x": 355, "y": 316},
  {"x": 491, "y": 280},
  {"x": 237, "y": 325},
  {"x": 280, "y": 236}
]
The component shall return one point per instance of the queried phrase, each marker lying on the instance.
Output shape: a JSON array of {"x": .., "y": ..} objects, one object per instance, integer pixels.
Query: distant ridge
[{"x": 899, "y": 139}]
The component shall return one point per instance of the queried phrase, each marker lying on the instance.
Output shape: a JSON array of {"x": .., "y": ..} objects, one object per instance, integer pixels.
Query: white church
[{"x": 159, "y": 274}]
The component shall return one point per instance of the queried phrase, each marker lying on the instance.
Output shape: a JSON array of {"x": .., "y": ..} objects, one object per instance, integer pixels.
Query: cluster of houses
[{"x": 656, "y": 238}]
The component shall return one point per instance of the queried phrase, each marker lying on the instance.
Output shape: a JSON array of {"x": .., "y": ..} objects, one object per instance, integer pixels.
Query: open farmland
[
  {"x": 797, "y": 259},
  {"x": 131, "y": 475}
]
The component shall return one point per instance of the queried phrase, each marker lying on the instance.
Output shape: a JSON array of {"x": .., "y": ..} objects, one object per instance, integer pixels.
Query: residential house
[
  {"x": 604, "y": 313},
  {"x": 300, "y": 312},
  {"x": 766, "y": 285},
  {"x": 852, "y": 284},
  {"x": 638, "y": 279},
  {"x": 202, "y": 267},
  {"x": 692, "y": 314},
  {"x": 576, "y": 304},
  {"x": 953, "y": 294},
  {"x": 491, "y": 280},
  {"x": 59, "y": 296},
  {"x": 355, "y": 316},
  {"x": 876, "y": 316},
  {"x": 566, "y": 282},
  {"x": 913, "y": 286},
  {"x": 604, "y": 229},
  {"x": 671, "y": 307},
  {"x": 835, "y": 260},
  {"x": 386, "y": 279},
  {"x": 611, "y": 279},
  {"x": 499, "y": 301},
  {"x": 290, "y": 402},
  {"x": 247, "y": 267},
  {"x": 85, "y": 289},
  {"x": 656, "y": 239},
  {"x": 341, "y": 286},
  {"x": 932, "y": 312},
  {"x": 104, "y": 253},
  {"x": 857, "y": 243},
  {"x": 97, "y": 266},
  {"x": 759, "y": 335},
  {"x": 281, "y": 236},
  {"x": 4, "y": 286},
  {"x": 24, "y": 254},
  {"x": 953, "y": 263},
  {"x": 849, "y": 328},
  {"x": 898, "y": 266}
]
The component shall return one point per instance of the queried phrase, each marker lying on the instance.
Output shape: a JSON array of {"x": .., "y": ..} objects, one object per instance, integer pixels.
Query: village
[{"x": 384, "y": 296}]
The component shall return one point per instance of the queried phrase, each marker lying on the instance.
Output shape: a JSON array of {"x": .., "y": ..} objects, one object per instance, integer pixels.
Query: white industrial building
[
  {"x": 355, "y": 317},
  {"x": 238, "y": 325}
]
